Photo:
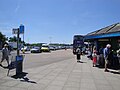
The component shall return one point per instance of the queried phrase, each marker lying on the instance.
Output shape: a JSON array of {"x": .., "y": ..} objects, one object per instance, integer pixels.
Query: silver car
[{"x": 35, "y": 50}]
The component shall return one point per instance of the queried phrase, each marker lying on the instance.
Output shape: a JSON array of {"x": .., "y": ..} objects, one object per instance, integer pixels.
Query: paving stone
[
  {"x": 70, "y": 88},
  {"x": 72, "y": 84},
  {"x": 44, "y": 81},
  {"x": 53, "y": 87},
  {"x": 10, "y": 83},
  {"x": 37, "y": 86},
  {"x": 104, "y": 87},
  {"x": 58, "y": 83},
  {"x": 4, "y": 88}
]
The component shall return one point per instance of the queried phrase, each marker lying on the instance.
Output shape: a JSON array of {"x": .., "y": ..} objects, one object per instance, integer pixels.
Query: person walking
[
  {"x": 5, "y": 54},
  {"x": 106, "y": 53},
  {"x": 78, "y": 53}
]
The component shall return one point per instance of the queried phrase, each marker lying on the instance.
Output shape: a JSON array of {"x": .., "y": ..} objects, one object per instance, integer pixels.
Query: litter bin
[{"x": 19, "y": 64}]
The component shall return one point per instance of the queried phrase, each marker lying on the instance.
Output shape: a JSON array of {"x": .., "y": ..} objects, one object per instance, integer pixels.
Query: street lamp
[{"x": 50, "y": 39}]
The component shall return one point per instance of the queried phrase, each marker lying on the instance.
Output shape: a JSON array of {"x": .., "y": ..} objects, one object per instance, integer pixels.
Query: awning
[{"x": 103, "y": 36}]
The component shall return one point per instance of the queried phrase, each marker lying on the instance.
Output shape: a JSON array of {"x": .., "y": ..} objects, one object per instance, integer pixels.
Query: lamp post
[{"x": 50, "y": 39}]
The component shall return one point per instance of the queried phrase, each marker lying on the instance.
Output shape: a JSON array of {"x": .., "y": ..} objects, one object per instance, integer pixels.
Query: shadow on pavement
[
  {"x": 81, "y": 62},
  {"x": 20, "y": 76},
  {"x": 115, "y": 72},
  {"x": 5, "y": 67},
  {"x": 23, "y": 76}
]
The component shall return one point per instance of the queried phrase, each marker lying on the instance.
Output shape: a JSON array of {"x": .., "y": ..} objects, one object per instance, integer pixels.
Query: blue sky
[{"x": 57, "y": 20}]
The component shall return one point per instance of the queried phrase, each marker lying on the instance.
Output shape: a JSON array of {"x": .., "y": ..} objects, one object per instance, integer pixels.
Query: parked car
[
  {"x": 52, "y": 48},
  {"x": 35, "y": 50},
  {"x": 25, "y": 48},
  {"x": 45, "y": 48}
]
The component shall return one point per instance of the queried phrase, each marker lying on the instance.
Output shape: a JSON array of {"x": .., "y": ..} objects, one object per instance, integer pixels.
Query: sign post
[
  {"x": 18, "y": 43},
  {"x": 22, "y": 32},
  {"x": 19, "y": 58}
]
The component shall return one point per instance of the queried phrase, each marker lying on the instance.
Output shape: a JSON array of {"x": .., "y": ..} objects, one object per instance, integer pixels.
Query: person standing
[
  {"x": 89, "y": 53},
  {"x": 5, "y": 54},
  {"x": 94, "y": 56},
  {"x": 106, "y": 53},
  {"x": 101, "y": 60}
]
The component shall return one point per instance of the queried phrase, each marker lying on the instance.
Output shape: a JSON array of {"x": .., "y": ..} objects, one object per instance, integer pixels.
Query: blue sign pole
[
  {"x": 21, "y": 28},
  {"x": 19, "y": 58}
]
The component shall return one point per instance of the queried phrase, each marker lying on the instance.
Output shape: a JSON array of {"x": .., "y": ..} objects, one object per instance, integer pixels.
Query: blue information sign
[
  {"x": 21, "y": 28},
  {"x": 19, "y": 58}
]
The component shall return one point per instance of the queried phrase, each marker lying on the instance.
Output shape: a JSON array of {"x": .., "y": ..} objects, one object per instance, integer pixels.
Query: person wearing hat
[
  {"x": 5, "y": 53},
  {"x": 106, "y": 53}
]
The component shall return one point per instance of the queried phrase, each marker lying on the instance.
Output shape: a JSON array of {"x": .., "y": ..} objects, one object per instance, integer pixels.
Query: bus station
[{"x": 107, "y": 35}]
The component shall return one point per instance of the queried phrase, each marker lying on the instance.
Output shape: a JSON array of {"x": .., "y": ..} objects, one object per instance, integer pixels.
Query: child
[{"x": 94, "y": 56}]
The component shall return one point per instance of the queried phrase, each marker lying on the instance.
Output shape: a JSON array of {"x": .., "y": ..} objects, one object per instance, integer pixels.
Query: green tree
[
  {"x": 2, "y": 38},
  {"x": 14, "y": 39}
]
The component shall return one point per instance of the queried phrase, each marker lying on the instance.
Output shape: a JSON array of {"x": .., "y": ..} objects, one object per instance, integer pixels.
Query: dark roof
[{"x": 114, "y": 28}]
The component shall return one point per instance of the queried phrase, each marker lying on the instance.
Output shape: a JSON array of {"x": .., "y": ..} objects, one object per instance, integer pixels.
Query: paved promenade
[{"x": 64, "y": 75}]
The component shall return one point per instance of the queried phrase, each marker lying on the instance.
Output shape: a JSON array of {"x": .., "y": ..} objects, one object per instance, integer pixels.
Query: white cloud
[
  {"x": 7, "y": 32},
  {"x": 17, "y": 8},
  {"x": 5, "y": 28}
]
